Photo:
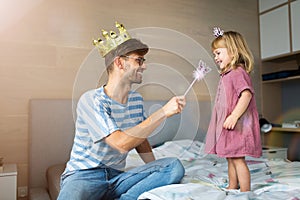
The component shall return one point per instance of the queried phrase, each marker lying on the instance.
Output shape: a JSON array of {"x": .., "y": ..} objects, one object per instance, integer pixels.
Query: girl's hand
[
  {"x": 239, "y": 109},
  {"x": 230, "y": 122}
]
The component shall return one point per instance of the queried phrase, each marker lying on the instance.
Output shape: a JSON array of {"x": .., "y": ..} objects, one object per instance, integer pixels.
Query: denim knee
[{"x": 177, "y": 170}]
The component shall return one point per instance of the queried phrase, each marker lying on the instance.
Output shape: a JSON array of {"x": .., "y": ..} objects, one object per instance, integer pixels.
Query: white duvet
[{"x": 206, "y": 176}]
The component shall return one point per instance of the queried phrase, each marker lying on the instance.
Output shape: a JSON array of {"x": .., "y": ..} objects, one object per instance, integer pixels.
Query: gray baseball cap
[{"x": 129, "y": 46}]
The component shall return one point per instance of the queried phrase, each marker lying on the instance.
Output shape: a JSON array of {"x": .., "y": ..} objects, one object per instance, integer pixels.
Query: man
[{"x": 110, "y": 122}]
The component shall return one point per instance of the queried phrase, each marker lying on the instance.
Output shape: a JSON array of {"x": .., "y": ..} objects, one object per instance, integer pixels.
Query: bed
[
  {"x": 51, "y": 129},
  {"x": 206, "y": 176}
]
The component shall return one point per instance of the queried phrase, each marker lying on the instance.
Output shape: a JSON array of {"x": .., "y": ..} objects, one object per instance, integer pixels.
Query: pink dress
[{"x": 244, "y": 139}]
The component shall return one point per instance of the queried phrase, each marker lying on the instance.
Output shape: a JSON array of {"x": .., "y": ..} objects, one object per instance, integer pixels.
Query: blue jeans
[{"x": 108, "y": 183}]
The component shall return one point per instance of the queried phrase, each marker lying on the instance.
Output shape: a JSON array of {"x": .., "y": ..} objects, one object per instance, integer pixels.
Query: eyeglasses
[{"x": 139, "y": 60}]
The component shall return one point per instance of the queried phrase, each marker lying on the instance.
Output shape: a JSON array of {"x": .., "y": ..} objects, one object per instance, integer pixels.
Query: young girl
[{"x": 234, "y": 130}]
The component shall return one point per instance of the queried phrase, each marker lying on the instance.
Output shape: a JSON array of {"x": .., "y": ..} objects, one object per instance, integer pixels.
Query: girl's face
[{"x": 222, "y": 57}]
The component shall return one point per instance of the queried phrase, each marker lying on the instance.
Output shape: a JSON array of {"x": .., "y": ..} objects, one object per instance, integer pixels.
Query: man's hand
[{"x": 174, "y": 106}]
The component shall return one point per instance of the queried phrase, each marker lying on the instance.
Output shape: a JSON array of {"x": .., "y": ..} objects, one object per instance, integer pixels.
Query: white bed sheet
[{"x": 206, "y": 176}]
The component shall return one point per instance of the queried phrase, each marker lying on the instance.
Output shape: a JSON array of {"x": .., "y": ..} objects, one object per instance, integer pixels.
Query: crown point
[
  {"x": 120, "y": 27},
  {"x": 113, "y": 35},
  {"x": 95, "y": 42},
  {"x": 105, "y": 34}
]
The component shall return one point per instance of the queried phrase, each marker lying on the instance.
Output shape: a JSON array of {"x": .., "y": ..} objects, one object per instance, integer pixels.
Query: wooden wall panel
[{"x": 44, "y": 42}]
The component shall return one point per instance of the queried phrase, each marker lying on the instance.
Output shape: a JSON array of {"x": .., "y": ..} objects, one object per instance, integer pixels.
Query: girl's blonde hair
[{"x": 237, "y": 47}]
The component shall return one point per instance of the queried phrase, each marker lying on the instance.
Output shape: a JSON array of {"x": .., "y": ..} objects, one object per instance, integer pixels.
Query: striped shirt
[{"x": 97, "y": 117}]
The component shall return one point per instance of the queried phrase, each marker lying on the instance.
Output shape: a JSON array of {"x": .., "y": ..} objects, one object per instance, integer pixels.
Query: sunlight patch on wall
[{"x": 11, "y": 11}]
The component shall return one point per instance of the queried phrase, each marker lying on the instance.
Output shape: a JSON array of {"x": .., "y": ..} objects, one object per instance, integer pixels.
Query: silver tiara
[{"x": 218, "y": 32}]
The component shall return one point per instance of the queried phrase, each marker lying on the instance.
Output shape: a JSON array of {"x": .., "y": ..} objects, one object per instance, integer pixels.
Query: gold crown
[{"x": 111, "y": 39}]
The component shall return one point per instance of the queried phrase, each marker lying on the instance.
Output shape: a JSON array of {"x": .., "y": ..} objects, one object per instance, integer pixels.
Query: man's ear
[{"x": 118, "y": 62}]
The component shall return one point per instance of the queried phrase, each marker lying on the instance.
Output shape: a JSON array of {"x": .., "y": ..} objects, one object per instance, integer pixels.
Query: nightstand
[
  {"x": 8, "y": 182},
  {"x": 274, "y": 152}
]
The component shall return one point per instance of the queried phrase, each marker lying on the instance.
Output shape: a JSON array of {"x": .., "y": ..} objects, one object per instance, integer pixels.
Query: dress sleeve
[{"x": 242, "y": 81}]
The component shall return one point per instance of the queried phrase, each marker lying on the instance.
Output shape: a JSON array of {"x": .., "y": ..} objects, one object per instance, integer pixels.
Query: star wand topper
[{"x": 198, "y": 74}]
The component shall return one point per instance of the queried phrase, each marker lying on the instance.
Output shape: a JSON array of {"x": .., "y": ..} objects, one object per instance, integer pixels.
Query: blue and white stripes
[{"x": 97, "y": 117}]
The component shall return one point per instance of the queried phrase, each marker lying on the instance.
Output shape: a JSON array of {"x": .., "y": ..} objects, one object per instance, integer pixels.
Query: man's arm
[
  {"x": 145, "y": 151},
  {"x": 124, "y": 141}
]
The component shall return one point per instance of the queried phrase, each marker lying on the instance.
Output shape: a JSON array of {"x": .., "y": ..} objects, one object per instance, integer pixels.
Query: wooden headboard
[{"x": 51, "y": 131}]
